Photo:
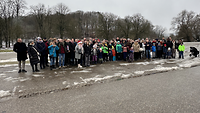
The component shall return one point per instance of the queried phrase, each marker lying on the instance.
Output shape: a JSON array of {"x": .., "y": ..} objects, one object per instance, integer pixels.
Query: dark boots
[{"x": 36, "y": 69}]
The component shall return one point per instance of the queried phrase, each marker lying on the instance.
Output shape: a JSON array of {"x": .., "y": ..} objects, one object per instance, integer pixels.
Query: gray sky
[{"x": 159, "y": 12}]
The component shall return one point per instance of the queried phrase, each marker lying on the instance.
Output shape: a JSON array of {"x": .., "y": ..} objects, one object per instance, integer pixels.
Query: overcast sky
[{"x": 159, "y": 12}]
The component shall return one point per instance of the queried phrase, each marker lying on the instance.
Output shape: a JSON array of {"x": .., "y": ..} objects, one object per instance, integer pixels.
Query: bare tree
[
  {"x": 7, "y": 12},
  {"x": 106, "y": 25},
  {"x": 61, "y": 11},
  {"x": 39, "y": 13},
  {"x": 186, "y": 24},
  {"x": 141, "y": 27},
  {"x": 159, "y": 31}
]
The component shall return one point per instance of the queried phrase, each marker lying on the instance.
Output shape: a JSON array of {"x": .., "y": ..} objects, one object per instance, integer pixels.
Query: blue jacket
[
  {"x": 164, "y": 49},
  {"x": 153, "y": 48},
  {"x": 52, "y": 50}
]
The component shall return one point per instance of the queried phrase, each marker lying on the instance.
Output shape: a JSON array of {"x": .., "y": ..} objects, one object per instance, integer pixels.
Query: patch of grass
[{"x": 6, "y": 50}]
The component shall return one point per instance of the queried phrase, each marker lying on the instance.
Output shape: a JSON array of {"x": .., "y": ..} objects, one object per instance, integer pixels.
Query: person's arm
[{"x": 15, "y": 48}]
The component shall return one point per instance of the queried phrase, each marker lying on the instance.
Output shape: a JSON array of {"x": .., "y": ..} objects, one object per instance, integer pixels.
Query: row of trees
[{"x": 18, "y": 20}]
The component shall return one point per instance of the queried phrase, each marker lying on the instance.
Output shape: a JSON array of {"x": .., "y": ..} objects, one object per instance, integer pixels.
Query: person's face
[{"x": 19, "y": 40}]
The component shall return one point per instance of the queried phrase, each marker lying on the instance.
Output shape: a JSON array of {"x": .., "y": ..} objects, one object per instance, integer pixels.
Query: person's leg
[
  {"x": 60, "y": 59},
  {"x": 19, "y": 65},
  {"x": 63, "y": 58},
  {"x": 23, "y": 66},
  {"x": 36, "y": 69},
  {"x": 32, "y": 67},
  {"x": 88, "y": 60},
  {"x": 146, "y": 54}
]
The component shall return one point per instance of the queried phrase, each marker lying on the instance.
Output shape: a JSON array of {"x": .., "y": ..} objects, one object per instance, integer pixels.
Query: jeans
[
  {"x": 181, "y": 54},
  {"x": 52, "y": 59},
  {"x": 61, "y": 59},
  {"x": 148, "y": 55}
]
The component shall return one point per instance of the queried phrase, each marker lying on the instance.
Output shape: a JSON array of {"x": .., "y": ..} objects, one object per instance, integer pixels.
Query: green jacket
[
  {"x": 181, "y": 48},
  {"x": 104, "y": 49},
  {"x": 119, "y": 48}
]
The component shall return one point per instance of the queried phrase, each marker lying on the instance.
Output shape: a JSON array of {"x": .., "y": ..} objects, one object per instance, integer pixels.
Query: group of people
[{"x": 83, "y": 52}]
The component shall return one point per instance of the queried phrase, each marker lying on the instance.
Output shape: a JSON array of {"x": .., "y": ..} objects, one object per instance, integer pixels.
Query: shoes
[
  {"x": 37, "y": 70},
  {"x": 59, "y": 67},
  {"x": 23, "y": 70},
  {"x": 20, "y": 71}
]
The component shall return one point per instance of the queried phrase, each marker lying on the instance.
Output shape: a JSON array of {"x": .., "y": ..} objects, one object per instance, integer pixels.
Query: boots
[
  {"x": 36, "y": 69},
  {"x": 79, "y": 66},
  {"x": 33, "y": 68}
]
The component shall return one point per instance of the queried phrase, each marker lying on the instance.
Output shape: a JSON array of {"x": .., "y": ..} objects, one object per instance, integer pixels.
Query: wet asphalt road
[{"x": 169, "y": 92}]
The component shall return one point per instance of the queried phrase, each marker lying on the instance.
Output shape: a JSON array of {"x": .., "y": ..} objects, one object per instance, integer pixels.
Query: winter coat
[
  {"x": 113, "y": 52},
  {"x": 136, "y": 48},
  {"x": 169, "y": 44},
  {"x": 125, "y": 49},
  {"x": 87, "y": 49},
  {"x": 78, "y": 52},
  {"x": 21, "y": 50},
  {"x": 52, "y": 50},
  {"x": 94, "y": 52},
  {"x": 72, "y": 48},
  {"x": 164, "y": 49},
  {"x": 119, "y": 48},
  {"x": 153, "y": 48},
  {"x": 33, "y": 54},
  {"x": 100, "y": 54},
  {"x": 104, "y": 49},
  {"x": 46, "y": 47},
  {"x": 148, "y": 47},
  {"x": 159, "y": 48},
  {"x": 41, "y": 47},
  {"x": 181, "y": 48},
  {"x": 62, "y": 44}
]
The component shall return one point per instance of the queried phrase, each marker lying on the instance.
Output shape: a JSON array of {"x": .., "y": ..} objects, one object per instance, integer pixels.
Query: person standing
[
  {"x": 41, "y": 48},
  {"x": 21, "y": 49},
  {"x": 87, "y": 51},
  {"x": 136, "y": 48},
  {"x": 119, "y": 50},
  {"x": 79, "y": 52},
  {"x": 62, "y": 52},
  {"x": 181, "y": 49},
  {"x": 52, "y": 53},
  {"x": 46, "y": 51},
  {"x": 33, "y": 56}
]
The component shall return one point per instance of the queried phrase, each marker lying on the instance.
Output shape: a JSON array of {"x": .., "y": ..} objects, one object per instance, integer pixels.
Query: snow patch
[
  {"x": 64, "y": 82},
  {"x": 4, "y": 93},
  {"x": 83, "y": 71},
  {"x": 139, "y": 72},
  {"x": 38, "y": 75},
  {"x": 142, "y": 63}
]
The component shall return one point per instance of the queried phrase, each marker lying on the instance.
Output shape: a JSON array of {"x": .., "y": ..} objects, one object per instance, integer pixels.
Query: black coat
[
  {"x": 21, "y": 50},
  {"x": 72, "y": 48},
  {"x": 33, "y": 56},
  {"x": 87, "y": 49},
  {"x": 169, "y": 44},
  {"x": 41, "y": 47}
]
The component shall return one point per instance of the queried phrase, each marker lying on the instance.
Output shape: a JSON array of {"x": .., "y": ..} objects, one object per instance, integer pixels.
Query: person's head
[
  {"x": 31, "y": 42},
  {"x": 51, "y": 43},
  {"x": 165, "y": 45},
  {"x": 44, "y": 39},
  {"x": 154, "y": 44},
  {"x": 19, "y": 40},
  {"x": 131, "y": 48},
  {"x": 100, "y": 50}
]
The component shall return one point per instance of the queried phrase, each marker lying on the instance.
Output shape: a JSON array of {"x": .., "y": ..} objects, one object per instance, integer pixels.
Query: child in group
[
  {"x": 52, "y": 53},
  {"x": 181, "y": 49},
  {"x": 110, "y": 54},
  {"x": 169, "y": 53},
  {"x": 159, "y": 50},
  {"x": 100, "y": 55},
  {"x": 131, "y": 56},
  {"x": 165, "y": 50},
  {"x": 114, "y": 53},
  {"x": 94, "y": 53},
  {"x": 153, "y": 51}
]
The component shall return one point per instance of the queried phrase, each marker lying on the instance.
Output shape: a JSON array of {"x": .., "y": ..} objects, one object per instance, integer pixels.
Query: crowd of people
[{"x": 84, "y": 52}]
